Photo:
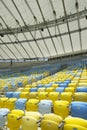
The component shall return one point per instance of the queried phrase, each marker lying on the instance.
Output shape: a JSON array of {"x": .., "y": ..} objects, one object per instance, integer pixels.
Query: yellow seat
[
  {"x": 26, "y": 90},
  {"x": 24, "y": 95},
  {"x": 28, "y": 86},
  {"x": 80, "y": 96},
  {"x": 82, "y": 84},
  {"x": 17, "y": 112},
  {"x": 53, "y": 96},
  {"x": 67, "y": 96},
  {"x": 43, "y": 95},
  {"x": 76, "y": 121},
  {"x": 49, "y": 125},
  {"x": 41, "y": 89},
  {"x": 53, "y": 117},
  {"x": 34, "y": 114},
  {"x": 51, "y": 89},
  {"x": 3, "y": 102},
  {"x": 13, "y": 121},
  {"x": 70, "y": 89},
  {"x": 34, "y": 85},
  {"x": 10, "y": 104},
  {"x": 82, "y": 81},
  {"x": 54, "y": 85},
  {"x": 33, "y": 95},
  {"x": 32, "y": 105},
  {"x": 29, "y": 123},
  {"x": 61, "y": 108},
  {"x": 73, "y": 127},
  {"x": 72, "y": 85}
]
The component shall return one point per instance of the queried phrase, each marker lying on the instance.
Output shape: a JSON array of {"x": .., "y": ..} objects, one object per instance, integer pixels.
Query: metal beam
[
  {"x": 46, "y": 26},
  {"x": 35, "y": 19},
  {"x": 5, "y": 44},
  {"x": 26, "y": 26},
  {"x": 47, "y": 37},
  {"x": 16, "y": 39},
  {"x": 54, "y": 13},
  {"x": 9, "y": 28},
  {"x": 39, "y": 26},
  {"x": 2, "y": 55},
  {"x": 13, "y": 34},
  {"x": 65, "y": 13},
  {"x": 15, "y": 46},
  {"x": 5, "y": 51},
  {"x": 8, "y": 48},
  {"x": 79, "y": 26},
  {"x": 45, "y": 43},
  {"x": 18, "y": 24}
]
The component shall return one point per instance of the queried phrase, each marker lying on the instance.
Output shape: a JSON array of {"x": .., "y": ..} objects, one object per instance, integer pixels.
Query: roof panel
[
  {"x": 70, "y": 6},
  {"x": 8, "y": 51},
  {"x": 67, "y": 44},
  {"x": 24, "y": 11},
  {"x": 5, "y": 38},
  {"x": 35, "y": 48},
  {"x": 28, "y": 49},
  {"x": 28, "y": 35},
  {"x": 82, "y": 4},
  {"x": 58, "y": 8},
  {"x": 53, "y": 30},
  {"x": 35, "y": 10},
  {"x": 13, "y": 38},
  {"x": 76, "y": 41},
  {"x": 43, "y": 48},
  {"x": 15, "y": 50},
  {"x": 51, "y": 47},
  {"x": 7, "y": 16},
  {"x": 2, "y": 53},
  {"x": 63, "y": 28},
  {"x": 20, "y": 37},
  {"x": 21, "y": 50},
  {"x": 58, "y": 45},
  {"x": 45, "y": 33},
  {"x": 46, "y": 9},
  {"x": 84, "y": 40},
  {"x": 73, "y": 25},
  {"x": 83, "y": 23}
]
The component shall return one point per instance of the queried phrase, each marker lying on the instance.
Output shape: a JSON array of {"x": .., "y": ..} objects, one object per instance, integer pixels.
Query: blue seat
[
  {"x": 4, "y": 111},
  {"x": 67, "y": 81},
  {"x": 21, "y": 103},
  {"x": 81, "y": 89},
  {"x": 20, "y": 84},
  {"x": 33, "y": 89},
  {"x": 16, "y": 94},
  {"x": 60, "y": 89},
  {"x": 58, "y": 82},
  {"x": 63, "y": 85},
  {"x": 40, "y": 86},
  {"x": 47, "y": 85},
  {"x": 79, "y": 109},
  {"x": 9, "y": 94}
]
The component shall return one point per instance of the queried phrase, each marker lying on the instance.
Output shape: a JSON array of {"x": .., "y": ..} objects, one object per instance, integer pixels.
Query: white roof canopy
[{"x": 32, "y": 29}]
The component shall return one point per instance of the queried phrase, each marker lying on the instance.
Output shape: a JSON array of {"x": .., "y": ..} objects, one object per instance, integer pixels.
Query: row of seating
[
  {"x": 60, "y": 107},
  {"x": 68, "y": 96},
  {"x": 18, "y": 120}
]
